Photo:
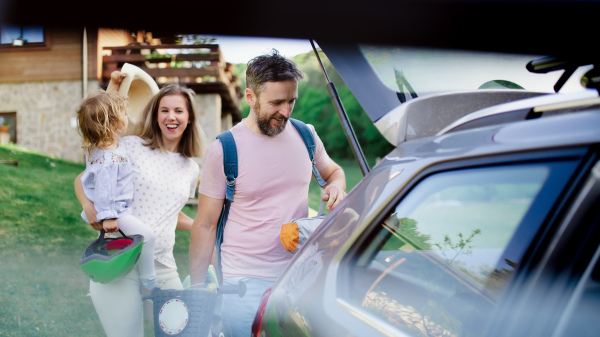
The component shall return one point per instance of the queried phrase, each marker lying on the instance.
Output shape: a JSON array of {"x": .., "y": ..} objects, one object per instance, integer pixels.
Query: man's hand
[
  {"x": 334, "y": 191},
  {"x": 333, "y": 195}
]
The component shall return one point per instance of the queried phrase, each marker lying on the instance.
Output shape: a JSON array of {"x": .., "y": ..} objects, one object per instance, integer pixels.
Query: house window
[
  {"x": 16, "y": 36},
  {"x": 8, "y": 127}
]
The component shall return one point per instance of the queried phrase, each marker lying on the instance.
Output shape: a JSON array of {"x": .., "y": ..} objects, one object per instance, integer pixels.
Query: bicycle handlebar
[{"x": 239, "y": 289}]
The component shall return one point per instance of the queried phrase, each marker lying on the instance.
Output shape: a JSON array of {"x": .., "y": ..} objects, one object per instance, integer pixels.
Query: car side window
[{"x": 439, "y": 263}]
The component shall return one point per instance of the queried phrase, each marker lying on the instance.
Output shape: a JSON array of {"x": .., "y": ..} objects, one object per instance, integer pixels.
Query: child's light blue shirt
[{"x": 108, "y": 182}]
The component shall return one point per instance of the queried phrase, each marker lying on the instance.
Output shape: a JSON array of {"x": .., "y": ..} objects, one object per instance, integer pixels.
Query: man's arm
[
  {"x": 202, "y": 240},
  {"x": 334, "y": 191}
]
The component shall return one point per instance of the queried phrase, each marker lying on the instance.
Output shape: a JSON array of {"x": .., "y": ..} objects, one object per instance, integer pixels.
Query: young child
[{"x": 108, "y": 177}]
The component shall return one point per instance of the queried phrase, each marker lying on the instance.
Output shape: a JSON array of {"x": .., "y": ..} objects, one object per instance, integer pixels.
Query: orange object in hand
[{"x": 289, "y": 236}]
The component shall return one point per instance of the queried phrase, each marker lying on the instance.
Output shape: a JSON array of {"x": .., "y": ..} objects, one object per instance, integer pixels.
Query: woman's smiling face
[{"x": 173, "y": 118}]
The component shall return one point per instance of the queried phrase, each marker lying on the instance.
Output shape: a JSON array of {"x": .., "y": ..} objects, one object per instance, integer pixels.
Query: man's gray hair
[{"x": 270, "y": 68}]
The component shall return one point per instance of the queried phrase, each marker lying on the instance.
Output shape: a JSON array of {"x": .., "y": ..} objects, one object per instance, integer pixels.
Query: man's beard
[{"x": 264, "y": 122}]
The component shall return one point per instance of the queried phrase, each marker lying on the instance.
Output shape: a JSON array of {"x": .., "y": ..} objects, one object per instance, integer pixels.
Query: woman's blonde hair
[
  {"x": 192, "y": 141},
  {"x": 100, "y": 119}
]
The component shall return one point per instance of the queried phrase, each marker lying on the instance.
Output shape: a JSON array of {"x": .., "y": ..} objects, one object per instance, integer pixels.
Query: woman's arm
[
  {"x": 88, "y": 206},
  {"x": 184, "y": 222}
]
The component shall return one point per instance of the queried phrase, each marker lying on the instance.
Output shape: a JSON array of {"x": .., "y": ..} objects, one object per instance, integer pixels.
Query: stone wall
[
  {"x": 46, "y": 119},
  {"x": 45, "y": 112},
  {"x": 208, "y": 112},
  {"x": 210, "y": 122}
]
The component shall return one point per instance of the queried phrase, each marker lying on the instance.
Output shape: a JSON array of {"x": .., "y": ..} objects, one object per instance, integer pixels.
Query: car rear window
[
  {"x": 417, "y": 72},
  {"x": 440, "y": 262}
]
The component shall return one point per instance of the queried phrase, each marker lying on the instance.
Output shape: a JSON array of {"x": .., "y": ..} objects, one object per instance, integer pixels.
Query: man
[{"x": 270, "y": 190}]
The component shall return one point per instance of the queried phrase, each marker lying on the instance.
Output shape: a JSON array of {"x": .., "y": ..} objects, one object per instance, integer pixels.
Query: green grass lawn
[{"x": 41, "y": 238}]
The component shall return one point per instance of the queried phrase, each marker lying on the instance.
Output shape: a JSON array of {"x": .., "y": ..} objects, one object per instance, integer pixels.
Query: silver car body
[{"x": 336, "y": 283}]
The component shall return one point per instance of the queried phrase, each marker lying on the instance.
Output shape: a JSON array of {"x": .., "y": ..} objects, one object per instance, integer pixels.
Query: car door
[
  {"x": 459, "y": 245},
  {"x": 557, "y": 293}
]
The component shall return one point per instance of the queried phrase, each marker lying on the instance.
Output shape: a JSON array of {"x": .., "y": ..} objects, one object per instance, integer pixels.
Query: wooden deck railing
[{"x": 202, "y": 69}]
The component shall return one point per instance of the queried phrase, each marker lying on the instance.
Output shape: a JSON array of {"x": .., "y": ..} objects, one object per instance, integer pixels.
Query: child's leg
[{"x": 131, "y": 225}]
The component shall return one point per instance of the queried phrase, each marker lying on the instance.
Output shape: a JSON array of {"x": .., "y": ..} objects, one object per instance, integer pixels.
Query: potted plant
[{"x": 4, "y": 128}]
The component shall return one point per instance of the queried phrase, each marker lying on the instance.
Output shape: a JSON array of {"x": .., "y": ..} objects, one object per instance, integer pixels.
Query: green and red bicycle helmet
[{"x": 109, "y": 259}]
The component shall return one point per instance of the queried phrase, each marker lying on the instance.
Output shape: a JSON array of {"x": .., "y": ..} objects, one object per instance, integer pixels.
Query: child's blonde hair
[{"x": 100, "y": 119}]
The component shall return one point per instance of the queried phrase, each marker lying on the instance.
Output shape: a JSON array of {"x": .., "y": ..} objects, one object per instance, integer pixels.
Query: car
[{"x": 483, "y": 220}]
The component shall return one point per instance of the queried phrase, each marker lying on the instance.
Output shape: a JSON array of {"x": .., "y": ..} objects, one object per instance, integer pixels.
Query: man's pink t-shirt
[{"x": 271, "y": 189}]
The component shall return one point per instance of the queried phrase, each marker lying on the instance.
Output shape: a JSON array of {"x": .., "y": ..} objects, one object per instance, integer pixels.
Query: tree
[{"x": 314, "y": 106}]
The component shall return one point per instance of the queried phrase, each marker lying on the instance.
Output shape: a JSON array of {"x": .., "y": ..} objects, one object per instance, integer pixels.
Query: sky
[{"x": 237, "y": 50}]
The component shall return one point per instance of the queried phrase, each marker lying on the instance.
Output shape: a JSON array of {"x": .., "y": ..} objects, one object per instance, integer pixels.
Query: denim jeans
[{"x": 237, "y": 314}]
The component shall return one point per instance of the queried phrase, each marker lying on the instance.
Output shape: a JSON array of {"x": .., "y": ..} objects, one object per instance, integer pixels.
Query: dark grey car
[{"x": 483, "y": 221}]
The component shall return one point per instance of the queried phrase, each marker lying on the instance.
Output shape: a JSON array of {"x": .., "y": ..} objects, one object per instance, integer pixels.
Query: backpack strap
[
  {"x": 231, "y": 172},
  {"x": 309, "y": 141}
]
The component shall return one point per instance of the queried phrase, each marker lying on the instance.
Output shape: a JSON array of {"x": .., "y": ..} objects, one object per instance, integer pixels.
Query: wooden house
[{"x": 46, "y": 71}]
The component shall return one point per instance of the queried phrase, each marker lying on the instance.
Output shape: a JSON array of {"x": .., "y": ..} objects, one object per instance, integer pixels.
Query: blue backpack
[{"x": 231, "y": 172}]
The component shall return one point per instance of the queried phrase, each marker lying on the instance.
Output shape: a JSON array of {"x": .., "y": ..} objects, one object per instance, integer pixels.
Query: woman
[{"x": 166, "y": 176}]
